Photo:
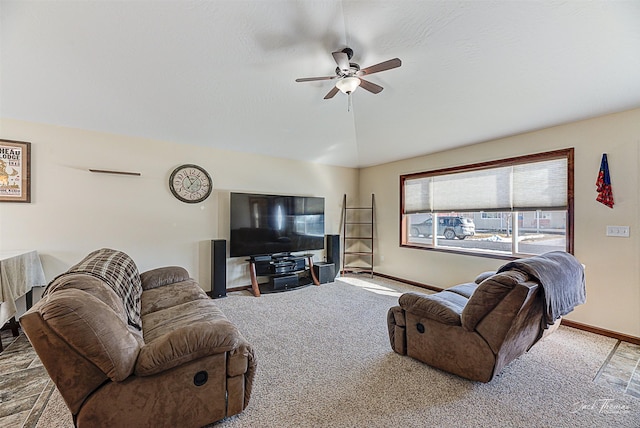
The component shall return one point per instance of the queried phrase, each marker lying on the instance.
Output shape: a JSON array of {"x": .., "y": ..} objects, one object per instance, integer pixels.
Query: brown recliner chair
[
  {"x": 136, "y": 350},
  {"x": 475, "y": 329}
]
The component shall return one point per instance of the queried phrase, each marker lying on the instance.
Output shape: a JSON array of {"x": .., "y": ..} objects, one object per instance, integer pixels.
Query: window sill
[{"x": 467, "y": 252}]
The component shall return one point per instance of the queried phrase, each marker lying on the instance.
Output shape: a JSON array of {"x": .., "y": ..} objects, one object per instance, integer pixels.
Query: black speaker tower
[
  {"x": 333, "y": 252},
  {"x": 218, "y": 268}
]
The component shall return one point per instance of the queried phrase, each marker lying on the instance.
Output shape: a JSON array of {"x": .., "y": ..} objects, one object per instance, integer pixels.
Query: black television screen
[{"x": 271, "y": 224}]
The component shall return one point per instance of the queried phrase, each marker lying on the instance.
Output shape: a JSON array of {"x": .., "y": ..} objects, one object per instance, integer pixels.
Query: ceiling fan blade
[
  {"x": 342, "y": 59},
  {"x": 371, "y": 87},
  {"x": 313, "y": 79},
  {"x": 332, "y": 93},
  {"x": 383, "y": 66}
]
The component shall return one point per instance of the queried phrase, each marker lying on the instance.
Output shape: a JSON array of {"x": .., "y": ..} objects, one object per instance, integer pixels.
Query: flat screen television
[{"x": 272, "y": 224}]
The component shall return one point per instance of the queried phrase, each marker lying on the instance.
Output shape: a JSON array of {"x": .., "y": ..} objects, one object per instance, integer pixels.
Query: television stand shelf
[{"x": 285, "y": 272}]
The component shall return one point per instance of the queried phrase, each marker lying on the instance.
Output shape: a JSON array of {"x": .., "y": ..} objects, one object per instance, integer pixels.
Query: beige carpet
[{"x": 324, "y": 361}]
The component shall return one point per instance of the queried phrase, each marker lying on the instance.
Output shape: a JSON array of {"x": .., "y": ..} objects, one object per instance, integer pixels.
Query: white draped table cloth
[{"x": 20, "y": 271}]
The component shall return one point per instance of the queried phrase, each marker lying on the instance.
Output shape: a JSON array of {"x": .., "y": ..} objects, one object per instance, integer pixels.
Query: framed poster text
[{"x": 15, "y": 171}]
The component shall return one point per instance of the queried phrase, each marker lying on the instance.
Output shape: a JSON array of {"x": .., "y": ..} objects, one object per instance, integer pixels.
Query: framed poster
[{"x": 15, "y": 171}]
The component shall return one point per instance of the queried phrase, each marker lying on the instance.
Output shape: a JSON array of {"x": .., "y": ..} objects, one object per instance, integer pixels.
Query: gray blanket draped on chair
[{"x": 561, "y": 277}]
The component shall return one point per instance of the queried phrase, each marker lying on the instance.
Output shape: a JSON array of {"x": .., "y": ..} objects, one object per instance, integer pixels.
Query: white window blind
[
  {"x": 526, "y": 186},
  {"x": 540, "y": 185}
]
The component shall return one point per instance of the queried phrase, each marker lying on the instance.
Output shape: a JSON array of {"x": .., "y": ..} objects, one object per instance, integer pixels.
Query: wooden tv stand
[{"x": 281, "y": 267}]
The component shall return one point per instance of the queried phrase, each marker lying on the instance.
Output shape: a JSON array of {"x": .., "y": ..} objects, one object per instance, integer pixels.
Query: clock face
[{"x": 190, "y": 183}]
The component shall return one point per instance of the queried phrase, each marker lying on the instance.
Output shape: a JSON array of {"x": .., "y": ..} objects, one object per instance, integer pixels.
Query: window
[
  {"x": 504, "y": 208},
  {"x": 490, "y": 215}
]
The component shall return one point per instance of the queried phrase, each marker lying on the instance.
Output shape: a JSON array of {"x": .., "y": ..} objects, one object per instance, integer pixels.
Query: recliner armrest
[
  {"x": 445, "y": 307},
  {"x": 185, "y": 344},
  {"x": 163, "y": 276},
  {"x": 92, "y": 329}
]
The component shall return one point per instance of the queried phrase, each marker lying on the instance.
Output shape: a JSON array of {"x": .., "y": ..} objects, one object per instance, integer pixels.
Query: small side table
[{"x": 20, "y": 271}]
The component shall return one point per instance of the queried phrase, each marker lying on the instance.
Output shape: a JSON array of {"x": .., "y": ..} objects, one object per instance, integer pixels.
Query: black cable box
[{"x": 283, "y": 266}]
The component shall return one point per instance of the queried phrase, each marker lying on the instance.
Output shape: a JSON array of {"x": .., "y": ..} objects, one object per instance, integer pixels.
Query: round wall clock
[{"x": 190, "y": 183}]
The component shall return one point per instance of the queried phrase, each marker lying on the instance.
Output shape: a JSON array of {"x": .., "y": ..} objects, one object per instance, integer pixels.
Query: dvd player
[{"x": 285, "y": 266}]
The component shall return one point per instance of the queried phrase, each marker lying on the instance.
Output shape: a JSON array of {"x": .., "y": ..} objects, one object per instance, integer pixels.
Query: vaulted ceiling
[{"x": 222, "y": 73}]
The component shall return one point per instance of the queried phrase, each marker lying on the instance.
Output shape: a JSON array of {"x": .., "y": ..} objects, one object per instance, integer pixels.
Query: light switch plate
[{"x": 620, "y": 231}]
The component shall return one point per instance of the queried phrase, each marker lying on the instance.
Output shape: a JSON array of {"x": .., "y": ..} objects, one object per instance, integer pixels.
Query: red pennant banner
[{"x": 603, "y": 183}]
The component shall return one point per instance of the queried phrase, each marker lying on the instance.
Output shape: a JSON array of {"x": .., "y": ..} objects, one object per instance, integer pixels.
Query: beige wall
[
  {"x": 612, "y": 271},
  {"x": 74, "y": 211}
]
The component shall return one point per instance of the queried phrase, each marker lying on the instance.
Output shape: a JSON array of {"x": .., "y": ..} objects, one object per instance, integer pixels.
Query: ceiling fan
[{"x": 349, "y": 75}]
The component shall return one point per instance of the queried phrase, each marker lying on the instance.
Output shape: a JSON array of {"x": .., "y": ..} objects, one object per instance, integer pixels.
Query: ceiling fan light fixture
[{"x": 348, "y": 84}]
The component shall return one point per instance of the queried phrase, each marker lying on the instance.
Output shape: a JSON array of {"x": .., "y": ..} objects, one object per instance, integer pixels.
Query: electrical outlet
[{"x": 620, "y": 231}]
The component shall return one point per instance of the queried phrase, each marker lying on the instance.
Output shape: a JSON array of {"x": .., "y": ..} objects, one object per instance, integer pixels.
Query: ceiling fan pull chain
[{"x": 349, "y": 102}]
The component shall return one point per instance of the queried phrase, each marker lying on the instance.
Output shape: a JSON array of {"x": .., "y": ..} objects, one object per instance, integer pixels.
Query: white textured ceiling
[{"x": 222, "y": 73}]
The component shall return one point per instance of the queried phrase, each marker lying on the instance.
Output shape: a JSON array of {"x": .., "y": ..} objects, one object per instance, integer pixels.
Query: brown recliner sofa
[
  {"x": 475, "y": 329},
  {"x": 126, "y": 349}
]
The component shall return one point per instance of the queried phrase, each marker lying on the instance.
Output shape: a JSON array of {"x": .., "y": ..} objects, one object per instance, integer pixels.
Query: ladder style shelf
[{"x": 357, "y": 248}]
